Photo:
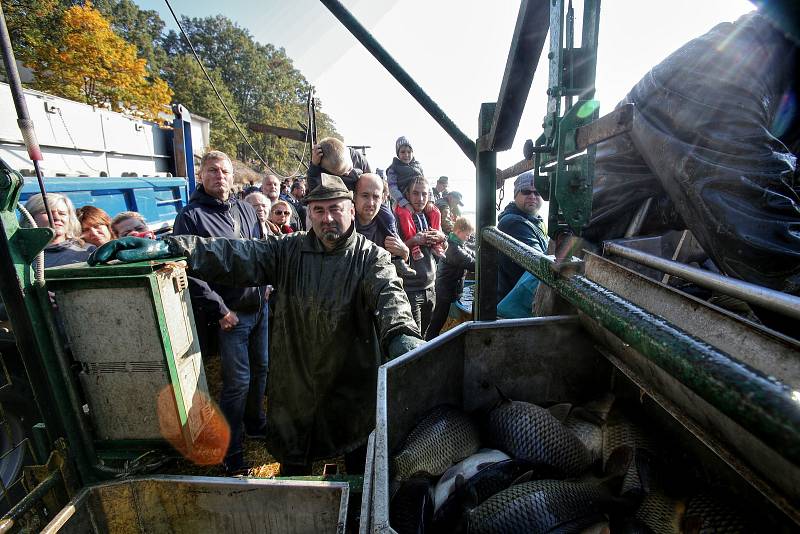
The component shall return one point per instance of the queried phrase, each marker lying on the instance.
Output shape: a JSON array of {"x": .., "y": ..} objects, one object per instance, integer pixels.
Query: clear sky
[{"x": 456, "y": 50}]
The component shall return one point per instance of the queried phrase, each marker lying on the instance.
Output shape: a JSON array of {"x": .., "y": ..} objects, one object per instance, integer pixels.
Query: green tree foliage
[
  {"x": 263, "y": 82},
  {"x": 258, "y": 82},
  {"x": 32, "y": 24},
  {"x": 191, "y": 89},
  {"x": 142, "y": 28},
  {"x": 90, "y": 62}
]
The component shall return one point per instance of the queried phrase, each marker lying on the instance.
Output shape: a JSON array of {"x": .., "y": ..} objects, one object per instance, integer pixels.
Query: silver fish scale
[
  {"x": 622, "y": 432},
  {"x": 445, "y": 436},
  {"x": 717, "y": 517},
  {"x": 537, "y": 507},
  {"x": 661, "y": 513},
  {"x": 590, "y": 435},
  {"x": 529, "y": 432}
]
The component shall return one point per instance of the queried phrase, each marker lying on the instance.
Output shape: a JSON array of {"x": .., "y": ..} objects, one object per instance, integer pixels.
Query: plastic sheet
[{"x": 710, "y": 144}]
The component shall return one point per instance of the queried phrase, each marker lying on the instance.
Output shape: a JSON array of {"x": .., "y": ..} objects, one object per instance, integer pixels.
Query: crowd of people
[{"x": 415, "y": 222}]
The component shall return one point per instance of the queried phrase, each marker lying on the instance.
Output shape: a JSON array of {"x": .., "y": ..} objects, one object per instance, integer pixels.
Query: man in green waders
[{"x": 340, "y": 311}]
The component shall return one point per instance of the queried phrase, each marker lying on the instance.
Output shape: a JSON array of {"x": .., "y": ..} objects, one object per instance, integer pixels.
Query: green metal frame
[
  {"x": 759, "y": 404},
  {"x": 28, "y": 306},
  {"x": 135, "y": 275},
  {"x": 764, "y": 406}
]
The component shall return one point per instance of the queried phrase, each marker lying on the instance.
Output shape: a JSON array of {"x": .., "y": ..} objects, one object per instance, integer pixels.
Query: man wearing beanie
[{"x": 520, "y": 219}]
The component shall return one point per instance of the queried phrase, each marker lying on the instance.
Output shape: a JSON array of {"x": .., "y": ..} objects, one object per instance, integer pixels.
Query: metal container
[
  {"x": 191, "y": 505},
  {"x": 131, "y": 329},
  {"x": 546, "y": 360}
]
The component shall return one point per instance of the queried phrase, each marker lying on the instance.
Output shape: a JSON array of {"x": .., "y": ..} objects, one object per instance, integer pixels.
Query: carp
[
  {"x": 465, "y": 469},
  {"x": 542, "y": 506},
  {"x": 411, "y": 507},
  {"x": 529, "y": 432},
  {"x": 445, "y": 436}
]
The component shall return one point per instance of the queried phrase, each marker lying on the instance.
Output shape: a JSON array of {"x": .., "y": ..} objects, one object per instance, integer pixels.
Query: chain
[
  {"x": 502, "y": 195},
  {"x": 74, "y": 145}
]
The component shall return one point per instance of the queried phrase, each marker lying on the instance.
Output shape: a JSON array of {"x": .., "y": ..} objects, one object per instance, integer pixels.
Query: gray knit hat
[
  {"x": 401, "y": 141},
  {"x": 524, "y": 181}
]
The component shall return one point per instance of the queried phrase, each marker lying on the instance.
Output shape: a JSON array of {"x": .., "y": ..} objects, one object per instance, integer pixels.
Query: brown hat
[{"x": 330, "y": 187}]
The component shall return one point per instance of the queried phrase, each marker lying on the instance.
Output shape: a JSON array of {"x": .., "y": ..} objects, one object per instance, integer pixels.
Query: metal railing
[{"x": 760, "y": 404}]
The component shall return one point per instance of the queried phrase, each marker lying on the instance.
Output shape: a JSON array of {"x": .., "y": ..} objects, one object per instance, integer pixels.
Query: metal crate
[
  {"x": 204, "y": 504},
  {"x": 545, "y": 360}
]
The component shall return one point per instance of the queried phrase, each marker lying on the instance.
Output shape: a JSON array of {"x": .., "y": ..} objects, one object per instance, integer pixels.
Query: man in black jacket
[
  {"x": 450, "y": 274},
  {"x": 240, "y": 313},
  {"x": 520, "y": 219}
]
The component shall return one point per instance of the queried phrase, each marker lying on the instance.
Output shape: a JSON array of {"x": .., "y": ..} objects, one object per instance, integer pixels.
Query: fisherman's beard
[{"x": 332, "y": 232}]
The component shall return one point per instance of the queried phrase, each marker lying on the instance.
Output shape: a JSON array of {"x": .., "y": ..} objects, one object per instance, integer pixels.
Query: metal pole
[
  {"x": 765, "y": 407},
  {"x": 485, "y": 305},
  {"x": 23, "y": 119},
  {"x": 8, "y": 521},
  {"x": 466, "y": 144},
  {"x": 770, "y": 299}
]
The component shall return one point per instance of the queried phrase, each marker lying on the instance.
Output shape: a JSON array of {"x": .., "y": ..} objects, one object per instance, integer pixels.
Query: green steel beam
[
  {"x": 526, "y": 47},
  {"x": 485, "y": 304},
  {"x": 763, "y": 406},
  {"x": 30, "y": 311},
  {"x": 466, "y": 144}
]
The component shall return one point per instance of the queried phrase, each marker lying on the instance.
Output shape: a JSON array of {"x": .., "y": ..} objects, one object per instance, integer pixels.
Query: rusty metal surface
[
  {"x": 777, "y": 301},
  {"x": 288, "y": 133},
  {"x": 611, "y": 125},
  {"x": 523, "y": 57},
  {"x": 188, "y": 505},
  {"x": 518, "y": 168},
  {"x": 771, "y": 353}
]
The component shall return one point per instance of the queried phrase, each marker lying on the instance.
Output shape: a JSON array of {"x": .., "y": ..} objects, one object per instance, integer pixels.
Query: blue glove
[
  {"x": 401, "y": 344},
  {"x": 130, "y": 249}
]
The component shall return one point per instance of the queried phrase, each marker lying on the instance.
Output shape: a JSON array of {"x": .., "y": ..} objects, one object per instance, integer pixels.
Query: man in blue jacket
[
  {"x": 239, "y": 314},
  {"x": 520, "y": 219}
]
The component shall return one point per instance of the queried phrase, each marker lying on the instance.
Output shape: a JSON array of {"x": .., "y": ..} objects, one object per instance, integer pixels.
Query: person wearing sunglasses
[
  {"x": 520, "y": 219},
  {"x": 279, "y": 216}
]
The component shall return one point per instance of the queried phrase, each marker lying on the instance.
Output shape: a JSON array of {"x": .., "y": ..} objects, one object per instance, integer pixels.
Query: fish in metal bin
[
  {"x": 587, "y": 423},
  {"x": 411, "y": 507},
  {"x": 469, "y": 493},
  {"x": 443, "y": 437},
  {"x": 544, "y": 506},
  {"x": 529, "y": 432},
  {"x": 621, "y": 431},
  {"x": 706, "y": 514},
  {"x": 465, "y": 469}
]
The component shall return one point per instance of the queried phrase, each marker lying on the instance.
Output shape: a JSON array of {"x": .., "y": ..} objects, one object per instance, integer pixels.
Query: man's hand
[
  {"x": 316, "y": 155},
  {"x": 401, "y": 344},
  {"x": 419, "y": 239},
  {"x": 129, "y": 249},
  {"x": 229, "y": 321},
  {"x": 435, "y": 236},
  {"x": 396, "y": 247}
]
